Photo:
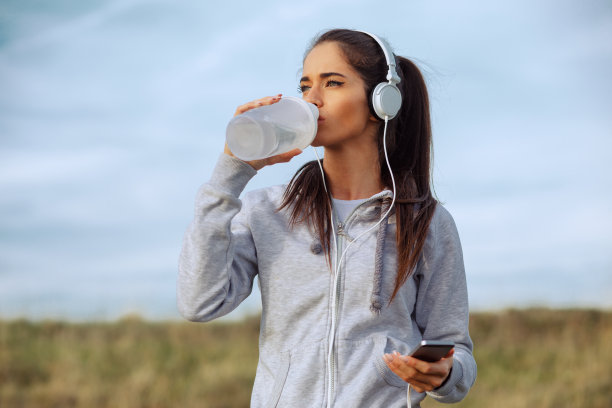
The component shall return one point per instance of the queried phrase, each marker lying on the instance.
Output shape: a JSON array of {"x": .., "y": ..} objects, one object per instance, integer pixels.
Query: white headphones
[{"x": 386, "y": 97}]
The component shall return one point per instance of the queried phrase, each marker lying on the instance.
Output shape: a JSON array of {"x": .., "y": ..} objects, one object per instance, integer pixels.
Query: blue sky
[{"x": 112, "y": 113}]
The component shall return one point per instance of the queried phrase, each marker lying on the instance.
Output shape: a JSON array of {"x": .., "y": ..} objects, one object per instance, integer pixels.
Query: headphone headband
[{"x": 392, "y": 76}]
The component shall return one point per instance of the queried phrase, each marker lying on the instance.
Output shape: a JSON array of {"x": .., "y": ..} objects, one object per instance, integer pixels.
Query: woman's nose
[{"x": 314, "y": 97}]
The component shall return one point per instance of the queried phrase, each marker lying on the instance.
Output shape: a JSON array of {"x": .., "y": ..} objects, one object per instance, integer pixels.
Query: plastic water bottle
[{"x": 272, "y": 129}]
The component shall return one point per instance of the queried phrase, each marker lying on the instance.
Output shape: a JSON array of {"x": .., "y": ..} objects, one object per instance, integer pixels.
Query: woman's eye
[
  {"x": 332, "y": 83},
  {"x": 303, "y": 88}
]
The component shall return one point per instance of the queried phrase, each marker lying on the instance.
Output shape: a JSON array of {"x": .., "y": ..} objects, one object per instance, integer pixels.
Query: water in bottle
[{"x": 273, "y": 129}]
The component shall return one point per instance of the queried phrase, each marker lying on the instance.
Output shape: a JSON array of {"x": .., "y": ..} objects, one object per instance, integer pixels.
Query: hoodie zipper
[{"x": 331, "y": 358}]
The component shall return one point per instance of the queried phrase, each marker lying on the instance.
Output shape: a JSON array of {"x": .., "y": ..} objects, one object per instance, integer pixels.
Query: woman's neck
[{"x": 352, "y": 171}]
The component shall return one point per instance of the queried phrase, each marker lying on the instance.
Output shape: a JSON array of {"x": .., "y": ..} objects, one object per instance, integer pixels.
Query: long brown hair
[{"x": 408, "y": 147}]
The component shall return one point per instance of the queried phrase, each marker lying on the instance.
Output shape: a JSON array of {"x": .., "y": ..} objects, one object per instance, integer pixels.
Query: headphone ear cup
[{"x": 386, "y": 100}]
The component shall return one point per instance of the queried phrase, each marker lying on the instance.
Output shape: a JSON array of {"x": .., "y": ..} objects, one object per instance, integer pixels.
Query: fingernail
[{"x": 388, "y": 357}]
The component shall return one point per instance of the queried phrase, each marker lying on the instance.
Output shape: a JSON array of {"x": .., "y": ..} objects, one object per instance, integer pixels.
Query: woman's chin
[{"x": 318, "y": 141}]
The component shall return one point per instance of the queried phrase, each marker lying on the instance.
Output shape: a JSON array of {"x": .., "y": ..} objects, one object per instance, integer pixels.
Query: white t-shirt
[{"x": 345, "y": 207}]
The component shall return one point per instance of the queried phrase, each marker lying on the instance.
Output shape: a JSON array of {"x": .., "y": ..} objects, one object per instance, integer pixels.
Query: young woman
[{"x": 338, "y": 321}]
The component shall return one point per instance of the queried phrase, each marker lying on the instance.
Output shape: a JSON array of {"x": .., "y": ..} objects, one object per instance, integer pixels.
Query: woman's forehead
[{"x": 326, "y": 57}]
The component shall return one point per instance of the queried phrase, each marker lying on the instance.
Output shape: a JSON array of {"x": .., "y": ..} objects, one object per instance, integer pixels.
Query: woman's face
[{"x": 334, "y": 86}]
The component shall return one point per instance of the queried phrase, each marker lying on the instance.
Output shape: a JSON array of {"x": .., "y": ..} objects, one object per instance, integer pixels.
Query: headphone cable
[{"x": 332, "y": 334}]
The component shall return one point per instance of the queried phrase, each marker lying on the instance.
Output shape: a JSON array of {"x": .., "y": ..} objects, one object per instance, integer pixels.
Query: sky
[{"x": 113, "y": 113}]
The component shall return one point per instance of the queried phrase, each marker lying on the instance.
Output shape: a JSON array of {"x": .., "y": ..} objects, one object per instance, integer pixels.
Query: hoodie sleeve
[
  {"x": 218, "y": 261},
  {"x": 442, "y": 311}
]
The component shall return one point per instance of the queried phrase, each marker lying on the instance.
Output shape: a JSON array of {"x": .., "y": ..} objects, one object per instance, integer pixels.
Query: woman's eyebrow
[{"x": 323, "y": 76}]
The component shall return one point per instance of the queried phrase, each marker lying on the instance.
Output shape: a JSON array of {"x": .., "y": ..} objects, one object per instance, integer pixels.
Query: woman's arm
[
  {"x": 441, "y": 312},
  {"x": 218, "y": 261}
]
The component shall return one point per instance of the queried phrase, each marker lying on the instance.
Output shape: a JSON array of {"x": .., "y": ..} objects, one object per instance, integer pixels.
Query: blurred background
[{"x": 113, "y": 113}]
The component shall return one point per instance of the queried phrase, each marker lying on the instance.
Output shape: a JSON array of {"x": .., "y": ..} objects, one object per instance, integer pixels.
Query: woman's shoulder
[
  {"x": 441, "y": 215},
  {"x": 442, "y": 224}
]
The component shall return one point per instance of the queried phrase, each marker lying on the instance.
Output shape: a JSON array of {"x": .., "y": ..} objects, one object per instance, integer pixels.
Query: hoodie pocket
[
  {"x": 298, "y": 378},
  {"x": 279, "y": 381}
]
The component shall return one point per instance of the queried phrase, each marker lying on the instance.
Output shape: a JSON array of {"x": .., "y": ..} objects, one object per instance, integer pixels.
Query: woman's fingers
[
  {"x": 423, "y": 376},
  {"x": 438, "y": 368},
  {"x": 280, "y": 158},
  {"x": 268, "y": 100},
  {"x": 283, "y": 157},
  {"x": 259, "y": 164},
  {"x": 419, "y": 382}
]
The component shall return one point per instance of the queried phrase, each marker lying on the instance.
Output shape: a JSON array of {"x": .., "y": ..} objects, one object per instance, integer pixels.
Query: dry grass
[
  {"x": 542, "y": 358},
  {"x": 130, "y": 363},
  {"x": 529, "y": 358}
]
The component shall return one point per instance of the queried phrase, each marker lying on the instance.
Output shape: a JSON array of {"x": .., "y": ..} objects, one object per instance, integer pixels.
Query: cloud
[
  {"x": 59, "y": 25},
  {"x": 113, "y": 114}
]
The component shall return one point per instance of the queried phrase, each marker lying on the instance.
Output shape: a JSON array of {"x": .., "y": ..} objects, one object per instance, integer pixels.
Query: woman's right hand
[
  {"x": 423, "y": 376},
  {"x": 281, "y": 158}
]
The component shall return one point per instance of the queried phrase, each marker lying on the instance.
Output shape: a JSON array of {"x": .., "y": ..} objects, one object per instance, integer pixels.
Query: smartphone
[{"x": 432, "y": 350}]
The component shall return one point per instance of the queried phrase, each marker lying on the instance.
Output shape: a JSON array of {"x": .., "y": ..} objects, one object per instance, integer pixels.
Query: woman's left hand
[{"x": 421, "y": 375}]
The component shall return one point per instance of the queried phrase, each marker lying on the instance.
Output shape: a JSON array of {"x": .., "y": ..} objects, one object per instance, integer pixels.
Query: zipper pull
[{"x": 343, "y": 233}]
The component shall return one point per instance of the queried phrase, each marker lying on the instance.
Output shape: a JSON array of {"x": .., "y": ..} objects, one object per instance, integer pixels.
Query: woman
[{"x": 335, "y": 329}]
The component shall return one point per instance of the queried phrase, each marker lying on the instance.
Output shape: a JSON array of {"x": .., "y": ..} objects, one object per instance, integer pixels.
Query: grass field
[{"x": 526, "y": 358}]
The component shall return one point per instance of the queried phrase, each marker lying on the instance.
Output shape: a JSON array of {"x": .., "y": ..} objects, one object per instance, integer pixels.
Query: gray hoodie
[{"x": 230, "y": 241}]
